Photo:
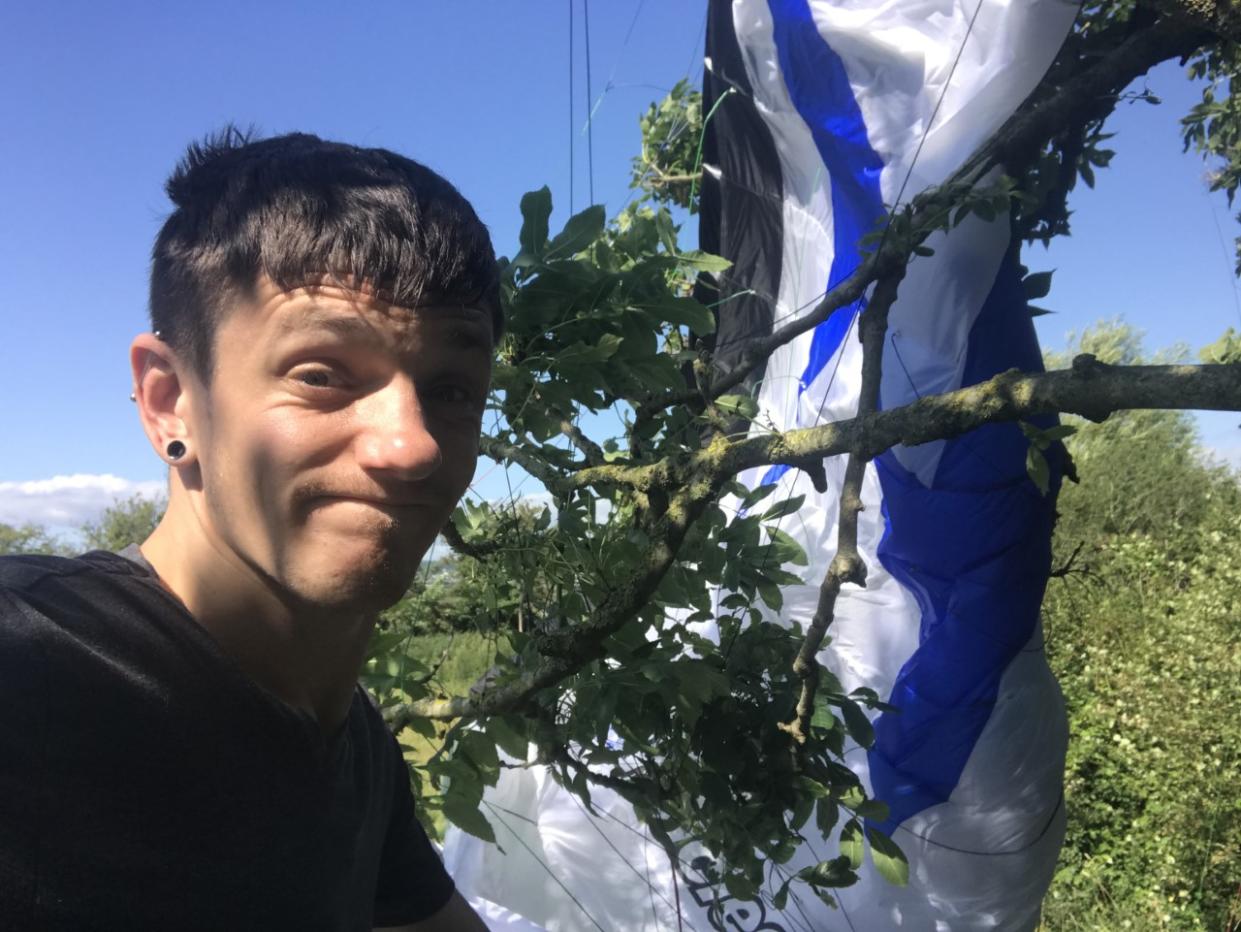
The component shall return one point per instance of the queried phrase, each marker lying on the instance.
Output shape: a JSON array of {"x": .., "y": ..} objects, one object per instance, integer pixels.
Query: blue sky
[{"x": 105, "y": 103}]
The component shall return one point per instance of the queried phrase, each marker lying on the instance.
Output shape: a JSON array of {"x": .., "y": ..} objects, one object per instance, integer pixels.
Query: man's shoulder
[
  {"x": 93, "y": 600},
  {"x": 21, "y": 574}
]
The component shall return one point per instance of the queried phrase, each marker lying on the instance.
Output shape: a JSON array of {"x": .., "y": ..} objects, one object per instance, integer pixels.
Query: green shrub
[{"x": 1144, "y": 633}]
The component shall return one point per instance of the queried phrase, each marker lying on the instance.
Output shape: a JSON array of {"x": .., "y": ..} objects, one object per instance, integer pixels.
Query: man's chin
[{"x": 368, "y": 584}]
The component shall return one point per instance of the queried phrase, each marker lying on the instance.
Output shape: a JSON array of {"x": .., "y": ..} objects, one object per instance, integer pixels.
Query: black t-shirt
[{"x": 146, "y": 783}]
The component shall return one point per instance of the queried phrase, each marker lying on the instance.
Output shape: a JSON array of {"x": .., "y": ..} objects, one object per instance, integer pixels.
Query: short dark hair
[{"x": 297, "y": 208}]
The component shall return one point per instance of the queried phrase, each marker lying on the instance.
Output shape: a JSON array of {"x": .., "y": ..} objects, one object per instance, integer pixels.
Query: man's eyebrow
[
  {"x": 464, "y": 328},
  {"x": 319, "y": 318},
  {"x": 466, "y": 335}
]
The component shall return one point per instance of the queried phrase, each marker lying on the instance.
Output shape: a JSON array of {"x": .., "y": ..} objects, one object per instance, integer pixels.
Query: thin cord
[
  {"x": 1232, "y": 278},
  {"x": 934, "y": 113},
  {"x": 572, "y": 131},
  {"x": 590, "y": 130},
  {"x": 551, "y": 873}
]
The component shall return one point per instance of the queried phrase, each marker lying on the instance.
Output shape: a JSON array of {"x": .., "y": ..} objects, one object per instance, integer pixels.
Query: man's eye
[
  {"x": 317, "y": 377},
  {"x": 452, "y": 394}
]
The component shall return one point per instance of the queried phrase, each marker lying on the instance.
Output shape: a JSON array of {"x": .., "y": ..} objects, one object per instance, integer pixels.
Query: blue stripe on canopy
[
  {"x": 975, "y": 551},
  {"x": 820, "y": 91},
  {"x": 974, "y": 548}
]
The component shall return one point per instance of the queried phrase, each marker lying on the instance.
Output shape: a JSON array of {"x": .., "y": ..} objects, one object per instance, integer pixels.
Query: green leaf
[
  {"x": 685, "y": 312},
  {"x": 739, "y": 886},
  {"x": 1060, "y": 431},
  {"x": 1227, "y": 349},
  {"x": 1037, "y": 285},
  {"x": 701, "y": 261},
  {"x": 858, "y": 725},
  {"x": 785, "y": 549},
  {"x": 536, "y": 208},
  {"x": 756, "y": 495},
  {"x": 480, "y": 750},
  {"x": 781, "y": 899},
  {"x": 741, "y": 406},
  {"x": 467, "y": 817},
  {"x": 851, "y": 845},
  {"x": 581, "y": 230},
  {"x": 889, "y": 859},
  {"x": 826, "y": 814},
  {"x": 771, "y": 595},
  {"x": 509, "y": 741},
  {"x": 874, "y": 809},
  {"x": 698, "y": 680},
  {"x": 786, "y": 507},
  {"x": 1037, "y": 470},
  {"x": 837, "y": 872}
]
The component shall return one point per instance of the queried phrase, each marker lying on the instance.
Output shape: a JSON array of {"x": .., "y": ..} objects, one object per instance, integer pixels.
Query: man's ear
[{"x": 162, "y": 390}]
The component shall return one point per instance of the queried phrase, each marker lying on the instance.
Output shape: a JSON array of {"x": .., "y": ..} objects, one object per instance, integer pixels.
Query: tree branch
[
  {"x": 503, "y": 452},
  {"x": 587, "y": 447},
  {"x": 1221, "y": 17},
  {"x": 567, "y": 651},
  {"x": 1089, "y": 388},
  {"x": 847, "y": 564},
  {"x": 1086, "y": 95},
  {"x": 476, "y": 550}
]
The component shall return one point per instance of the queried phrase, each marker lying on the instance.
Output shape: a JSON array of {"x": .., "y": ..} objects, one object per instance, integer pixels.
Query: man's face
[{"x": 336, "y": 437}]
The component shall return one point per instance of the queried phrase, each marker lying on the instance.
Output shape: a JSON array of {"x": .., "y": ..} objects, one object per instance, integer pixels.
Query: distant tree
[
  {"x": 127, "y": 521},
  {"x": 27, "y": 538},
  {"x": 460, "y": 593}
]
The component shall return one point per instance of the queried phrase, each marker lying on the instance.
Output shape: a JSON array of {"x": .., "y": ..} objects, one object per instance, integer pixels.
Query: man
[{"x": 183, "y": 743}]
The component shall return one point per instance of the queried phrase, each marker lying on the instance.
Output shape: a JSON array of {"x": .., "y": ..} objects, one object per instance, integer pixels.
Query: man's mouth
[{"x": 393, "y": 504}]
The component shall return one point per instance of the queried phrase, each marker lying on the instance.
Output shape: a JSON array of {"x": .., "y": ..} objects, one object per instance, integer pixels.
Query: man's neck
[{"x": 306, "y": 659}]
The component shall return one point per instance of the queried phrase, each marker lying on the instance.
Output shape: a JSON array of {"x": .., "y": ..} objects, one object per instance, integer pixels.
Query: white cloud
[{"x": 65, "y": 502}]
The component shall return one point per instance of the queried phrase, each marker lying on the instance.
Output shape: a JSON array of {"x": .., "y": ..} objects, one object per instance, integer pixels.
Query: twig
[
  {"x": 1087, "y": 94},
  {"x": 466, "y": 548},
  {"x": 588, "y": 448},
  {"x": 847, "y": 565}
]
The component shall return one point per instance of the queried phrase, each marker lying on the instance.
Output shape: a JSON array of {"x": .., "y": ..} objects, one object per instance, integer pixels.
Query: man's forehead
[{"x": 360, "y": 314}]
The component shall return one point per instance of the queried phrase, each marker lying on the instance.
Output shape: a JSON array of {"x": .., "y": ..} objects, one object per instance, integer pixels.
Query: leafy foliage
[
  {"x": 650, "y": 658},
  {"x": 671, "y": 155},
  {"x": 680, "y": 709},
  {"x": 27, "y": 538},
  {"x": 1213, "y": 126},
  {"x": 125, "y": 522},
  {"x": 1144, "y": 633}
]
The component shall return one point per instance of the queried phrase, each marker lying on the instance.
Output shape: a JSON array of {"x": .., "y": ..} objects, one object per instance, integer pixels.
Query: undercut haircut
[{"x": 299, "y": 210}]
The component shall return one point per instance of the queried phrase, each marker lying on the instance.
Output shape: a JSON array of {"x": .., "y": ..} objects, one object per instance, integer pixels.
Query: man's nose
[{"x": 394, "y": 437}]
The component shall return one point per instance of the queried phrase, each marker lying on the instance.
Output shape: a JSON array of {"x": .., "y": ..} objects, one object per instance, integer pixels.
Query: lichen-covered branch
[
  {"x": 503, "y": 452},
  {"x": 1089, "y": 388},
  {"x": 587, "y": 447},
  {"x": 1088, "y": 94}
]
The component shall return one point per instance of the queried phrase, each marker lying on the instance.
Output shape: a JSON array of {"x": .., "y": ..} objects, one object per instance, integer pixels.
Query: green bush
[{"x": 1144, "y": 632}]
